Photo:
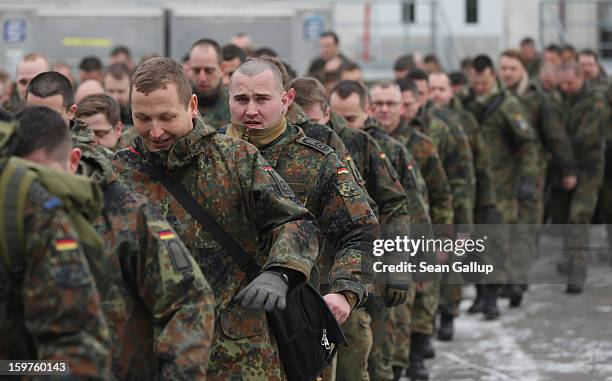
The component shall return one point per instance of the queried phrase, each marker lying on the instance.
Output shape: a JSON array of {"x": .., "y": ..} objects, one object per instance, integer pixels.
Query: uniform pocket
[
  {"x": 240, "y": 323},
  {"x": 301, "y": 191}
]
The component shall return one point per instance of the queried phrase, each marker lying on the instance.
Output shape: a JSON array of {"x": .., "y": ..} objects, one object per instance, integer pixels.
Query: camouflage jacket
[
  {"x": 585, "y": 118},
  {"x": 408, "y": 172},
  {"x": 328, "y": 136},
  {"x": 326, "y": 187},
  {"x": 439, "y": 197},
  {"x": 485, "y": 192},
  {"x": 548, "y": 124},
  {"x": 456, "y": 155},
  {"x": 232, "y": 181},
  {"x": 375, "y": 170},
  {"x": 54, "y": 310},
  {"x": 512, "y": 143},
  {"x": 159, "y": 307},
  {"x": 215, "y": 111}
]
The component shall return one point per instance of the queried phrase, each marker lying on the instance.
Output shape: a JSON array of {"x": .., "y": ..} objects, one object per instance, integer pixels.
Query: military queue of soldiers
[{"x": 103, "y": 268}]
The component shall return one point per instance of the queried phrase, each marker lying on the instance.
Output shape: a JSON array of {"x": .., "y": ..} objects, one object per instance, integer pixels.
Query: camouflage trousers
[
  {"x": 532, "y": 211},
  {"x": 352, "y": 363},
  {"x": 424, "y": 308},
  {"x": 604, "y": 208},
  {"x": 379, "y": 362},
  {"x": 401, "y": 321},
  {"x": 451, "y": 293},
  {"x": 577, "y": 208}
]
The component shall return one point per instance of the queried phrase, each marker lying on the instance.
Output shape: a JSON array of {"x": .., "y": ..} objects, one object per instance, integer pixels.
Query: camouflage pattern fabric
[
  {"x": 232, "y": 181},
  {"x": 53, "y": 310}
]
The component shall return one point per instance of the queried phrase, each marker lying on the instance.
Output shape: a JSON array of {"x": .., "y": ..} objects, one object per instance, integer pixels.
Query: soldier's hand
[
  {"x": 338, "y": 305},
  {"x": 268, "y": 290},
  {"x": 396, "y": 294},
  {"x": 569, "y": 182}
]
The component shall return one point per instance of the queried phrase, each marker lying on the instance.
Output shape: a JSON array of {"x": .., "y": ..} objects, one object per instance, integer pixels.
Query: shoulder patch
[
  {"x": 179, "y": 256},
  {"x": 66, "y": 244},
  {"x": 315, "y": 144},
  {"x": 520, "y": 121},
  {"x": 52, "y": 203}
]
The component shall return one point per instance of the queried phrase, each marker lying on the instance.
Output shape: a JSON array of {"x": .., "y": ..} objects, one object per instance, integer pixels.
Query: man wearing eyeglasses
[
  {"x": 102, "y": 115},
  {"x": 205, "y": 75}
]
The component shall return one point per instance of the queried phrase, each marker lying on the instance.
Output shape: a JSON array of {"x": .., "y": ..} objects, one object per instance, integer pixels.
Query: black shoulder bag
[{"x": 306, "y": 332}]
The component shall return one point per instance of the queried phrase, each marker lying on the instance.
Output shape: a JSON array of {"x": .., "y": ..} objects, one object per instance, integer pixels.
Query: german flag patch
[
  {"x": 66, "y": 244},
  {"x": 166, "y": 235},
  {"x": 342, "y": 171}
]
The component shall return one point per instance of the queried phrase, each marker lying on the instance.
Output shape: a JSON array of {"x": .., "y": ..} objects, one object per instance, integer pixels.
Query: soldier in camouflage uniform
[
  {"x": 585, "y": 118},
  {"x": 232, "y": 181},
  {"x": 552, "y": 142},
  {"x": 320, "y": 181},
  {"x": 455, "y": 151},
  {"x": 349, "y": 99},
  {"x": 347, "y": 118},
  {"x": 484, "y": 200},
  {"x": 206, "y": 77},
  {"x": 389, "y": 193},
  {"x": 49, "y": 304},
  {"x": 137, "y": 241},
  {"x": 387, "y": 108},
  {"x": 513, "y": 147},
  {"x": 589, "y": 62}
]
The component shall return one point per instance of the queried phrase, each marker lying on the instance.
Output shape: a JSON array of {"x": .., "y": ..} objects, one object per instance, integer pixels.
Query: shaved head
[{"x": 256, "y": 66}]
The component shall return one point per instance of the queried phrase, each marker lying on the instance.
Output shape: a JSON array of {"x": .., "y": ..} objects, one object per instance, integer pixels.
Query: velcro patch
[{"x": 315, "y": 144}]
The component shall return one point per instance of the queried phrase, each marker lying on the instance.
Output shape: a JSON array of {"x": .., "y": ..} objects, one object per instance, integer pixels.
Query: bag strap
[
  {"x": 491, "y": 106},
  {"x": 244, "y": 260},
  {"x": 15, "y": 182}
]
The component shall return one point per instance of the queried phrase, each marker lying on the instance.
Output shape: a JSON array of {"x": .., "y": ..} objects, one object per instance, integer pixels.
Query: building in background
[{"x": 373, "y": 33}]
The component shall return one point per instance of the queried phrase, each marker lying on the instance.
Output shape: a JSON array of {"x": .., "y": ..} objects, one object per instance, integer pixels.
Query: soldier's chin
[{"x": 160, "y": 146}]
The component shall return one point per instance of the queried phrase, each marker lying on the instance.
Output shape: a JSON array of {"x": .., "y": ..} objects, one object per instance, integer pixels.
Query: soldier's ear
[
  {"x": 74, "y": 159},
  {"x": 193, "y": 106},
  {"x": 285, "y": 101},
  {"x": 72, "y": 111},
  {"x": 119, "y": 126}
]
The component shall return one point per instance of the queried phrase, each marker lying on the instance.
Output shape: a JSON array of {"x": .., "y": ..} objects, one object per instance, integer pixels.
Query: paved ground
[{"x": 553, "y": 337}]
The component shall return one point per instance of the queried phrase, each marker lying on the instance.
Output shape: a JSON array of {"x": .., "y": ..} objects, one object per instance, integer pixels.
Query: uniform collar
[
  {"x": 274, "y": 150},
  {"x": 183, "y": 152},
  {"x": 337, "y": 123}
]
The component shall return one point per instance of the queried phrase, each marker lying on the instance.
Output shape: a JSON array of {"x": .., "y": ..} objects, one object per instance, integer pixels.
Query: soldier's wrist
[{"x": 351, "y": 298}]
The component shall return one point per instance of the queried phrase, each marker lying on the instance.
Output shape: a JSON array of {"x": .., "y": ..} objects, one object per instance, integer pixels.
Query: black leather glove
[
  {"x": 268, "y": 290},
  {"x": 396, "y": 295},
  {"x": 526, "y": 189}
]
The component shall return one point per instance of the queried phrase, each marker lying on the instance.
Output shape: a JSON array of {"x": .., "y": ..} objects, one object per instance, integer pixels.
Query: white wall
[{"x": 521, "y": 20}]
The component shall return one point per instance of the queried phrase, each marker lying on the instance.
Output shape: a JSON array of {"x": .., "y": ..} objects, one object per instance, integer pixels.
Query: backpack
[{"x": 81, "y": 198}]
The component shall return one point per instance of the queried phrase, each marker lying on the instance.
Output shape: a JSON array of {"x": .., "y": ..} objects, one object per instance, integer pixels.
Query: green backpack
[{"x": 82, "y": 199}]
